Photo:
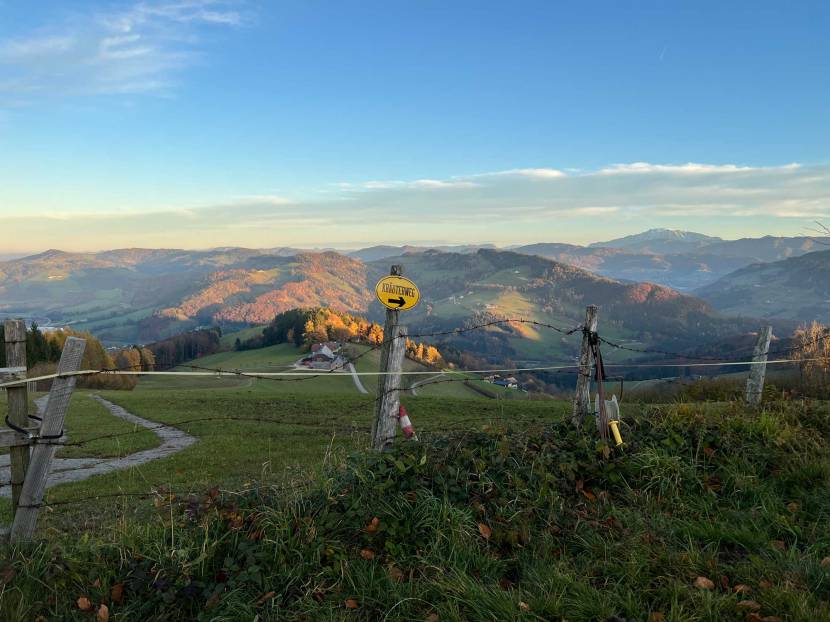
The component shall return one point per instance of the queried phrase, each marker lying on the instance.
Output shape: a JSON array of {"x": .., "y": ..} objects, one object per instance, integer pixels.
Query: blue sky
[{"x": 210, "y": 122}]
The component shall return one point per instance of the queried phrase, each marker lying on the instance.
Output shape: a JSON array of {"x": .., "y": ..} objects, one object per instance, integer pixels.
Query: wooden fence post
[
  {"x": 582, "y": 399},
  {"x": 391, "y": 361},
  {"x": 18, "y": 402},
  {"x": 755, "y": 382},
  {"x": 34, "y": 488}
]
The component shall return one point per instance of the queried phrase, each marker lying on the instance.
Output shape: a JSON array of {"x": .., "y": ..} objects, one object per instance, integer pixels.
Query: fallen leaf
[
  {"x": 524, "y": 606},
  {"x": 84, "y": 604},
  {"x": 97, "y": 583},
  {"x": 657, "y": 616},
  {"x": 764, "y": 584},
  {"x": 103, "y": 614},
  {"x": 825, "y": 562},
  {"x": 742, "y": 588},
  {"x": 265, "y": 598},
  {"x": 724, "y": 582},
  {"x": 793, "y": 507},
  {"x": 117, "y": 593},
  {"x": 367, "y": 554},
  {"x": 589, "y": 495},
  {"x": 396, "y": 574},
  {"x": 749, "y": 605},
  {"x": 778, "y": 545},
  {"x": 373, "y": 525},
  {"x": 351, "y": 603},
  {"x": 41, "y": 619},
  {"x": 7, "y": 574},
  {"x": 485, "y": 531},
  {"x": 709, "y": 451},
  {"x": 433, "y": 617},
  {"x": 702, "y": 583}
]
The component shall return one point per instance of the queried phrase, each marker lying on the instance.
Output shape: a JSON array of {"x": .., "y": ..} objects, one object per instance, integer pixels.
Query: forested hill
[
  {"x": 144, "y": 295},
  {"x": 796, "y": 288}
]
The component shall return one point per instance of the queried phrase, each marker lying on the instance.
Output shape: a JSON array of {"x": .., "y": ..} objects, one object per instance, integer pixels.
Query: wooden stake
[
  {"x": 18, "y": 404},
  {"x": 389, "y": 385},
  {"x": 34, "y": 488},
  {"x": 755, "y": 382},
  {"x": 582, "y": 399}
]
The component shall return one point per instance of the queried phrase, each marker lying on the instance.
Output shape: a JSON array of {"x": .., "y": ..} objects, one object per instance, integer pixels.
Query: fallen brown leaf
[
  {"x": 7, "y": 574},
  {"x": 265, "y": 598},
  {"x": 589, "y": 495},
  {"x": 793, "y": 507},
  {"x": 749, "y": 605},
  {"x": 103, "y": 614},
  {"x": 396, "y": 574},
  {"x": 373, "y": 525},
  {"x": 702, "y": 583},
  {"x": 117, "y": 593},
  {"x": 367, "y": 554},
  {"x": 764, "y": 584},
  {"x": 742, "y": 588},
  {"x": 825, "y": 562},
  {"x": 433, "y": 617},
  {"x": 657, "y": 616},
  {"x": 524, "y": 606},
  {"x": 778, "y": 545},
  {"x": 84, "y": 604},
  {"x": 351, "y": 603},
  {"x": 485, "y": 531}
]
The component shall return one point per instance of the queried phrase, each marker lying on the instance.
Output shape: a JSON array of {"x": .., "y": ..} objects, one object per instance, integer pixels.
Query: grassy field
[{"x": 502, "y": 512}]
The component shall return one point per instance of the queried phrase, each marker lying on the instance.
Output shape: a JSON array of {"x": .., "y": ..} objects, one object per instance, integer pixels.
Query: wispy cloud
[
  {"x": 139, "y": 49},
  {"x": 502, "y": 206}
]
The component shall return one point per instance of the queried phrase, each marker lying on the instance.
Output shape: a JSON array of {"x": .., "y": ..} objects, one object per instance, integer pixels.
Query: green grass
[
  {"x": 88, "y": 418},
  {"x": 524, "y": 520},
  {"x": 228, "y": 339}
]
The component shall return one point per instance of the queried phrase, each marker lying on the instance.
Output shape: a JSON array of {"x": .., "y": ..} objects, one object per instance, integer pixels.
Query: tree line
[{"x": 305, "y": 327}]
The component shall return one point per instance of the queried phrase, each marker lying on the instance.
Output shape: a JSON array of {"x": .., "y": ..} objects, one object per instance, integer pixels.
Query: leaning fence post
[
  {"x": 582, "y": 398},
  {"x": 34, "y": 488},
  {"x": 755, "y": 382},
  {"x": 389, "y": 382},
  {"x": 18, "y": 402}
]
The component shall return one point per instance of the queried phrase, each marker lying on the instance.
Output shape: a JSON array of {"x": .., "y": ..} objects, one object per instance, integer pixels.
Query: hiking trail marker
[{"x": 397, "y": 293}]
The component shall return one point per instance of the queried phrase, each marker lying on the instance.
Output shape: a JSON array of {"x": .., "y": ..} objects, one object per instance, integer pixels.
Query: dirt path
[
  {"x": 66, "y": 470},
  {"x": 356, "y": 378}
]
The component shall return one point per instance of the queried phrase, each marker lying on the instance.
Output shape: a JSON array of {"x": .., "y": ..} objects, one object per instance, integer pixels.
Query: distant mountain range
[
  {"x": 140, "y": 295},
  {"x": 797, "y": 288},
  {"x": 679, "y": 259}
]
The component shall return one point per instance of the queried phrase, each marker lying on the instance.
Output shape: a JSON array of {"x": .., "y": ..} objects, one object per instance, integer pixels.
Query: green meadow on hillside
[{"x": 502, "y": 512}]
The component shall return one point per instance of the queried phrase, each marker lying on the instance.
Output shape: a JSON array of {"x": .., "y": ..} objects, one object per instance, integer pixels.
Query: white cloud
[
  {"x": 506, "y": 208},
  {"x": 533, "y": 173},
  {"x": 140, "y": 49},
  {"x": 690, "y": 168}
]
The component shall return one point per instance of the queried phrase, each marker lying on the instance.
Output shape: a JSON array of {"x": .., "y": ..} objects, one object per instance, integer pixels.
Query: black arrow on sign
[{"x": 396, "y": 301}]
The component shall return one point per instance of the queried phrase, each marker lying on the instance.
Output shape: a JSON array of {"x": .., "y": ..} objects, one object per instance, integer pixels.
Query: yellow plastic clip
[{"x": 615, "y": 429}]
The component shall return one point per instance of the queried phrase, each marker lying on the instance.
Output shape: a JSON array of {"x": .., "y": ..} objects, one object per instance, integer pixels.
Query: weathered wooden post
[
  {"x": 389, "y": 384},
  {"x": 582, "y": 399},
  {"x": 34, "y": 487},
  {"x": 17, "y": 400},
  {"x": 755, "y": 382}
]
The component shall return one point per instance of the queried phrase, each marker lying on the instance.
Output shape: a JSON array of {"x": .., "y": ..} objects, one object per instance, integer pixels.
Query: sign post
[{"x": 397, "y": 294}]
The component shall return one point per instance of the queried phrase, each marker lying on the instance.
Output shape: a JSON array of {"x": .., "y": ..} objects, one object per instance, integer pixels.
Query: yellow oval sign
[{"x": 396, "y": 292}]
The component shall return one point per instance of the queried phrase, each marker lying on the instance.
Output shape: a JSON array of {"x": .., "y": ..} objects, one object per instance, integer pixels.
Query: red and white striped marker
[{"x": 406, "y": 424}]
